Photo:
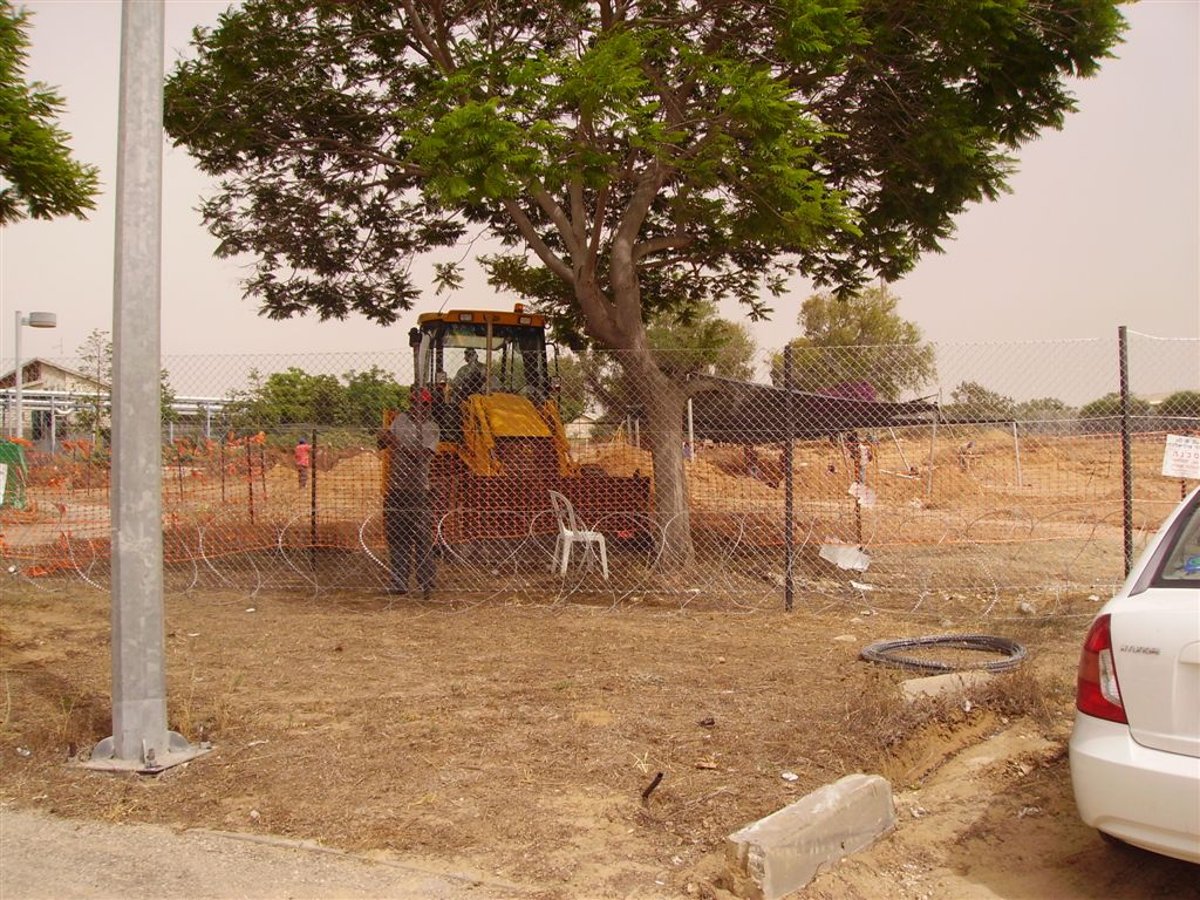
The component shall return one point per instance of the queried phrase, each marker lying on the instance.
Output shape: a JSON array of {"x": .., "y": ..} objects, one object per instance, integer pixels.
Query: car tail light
[{"x": 1097, "y": 692}]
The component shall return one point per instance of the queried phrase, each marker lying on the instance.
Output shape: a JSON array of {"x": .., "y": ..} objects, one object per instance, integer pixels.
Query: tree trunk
[
  {"x": 617, "y": 322},
  {"x": 664, "y": 403}
]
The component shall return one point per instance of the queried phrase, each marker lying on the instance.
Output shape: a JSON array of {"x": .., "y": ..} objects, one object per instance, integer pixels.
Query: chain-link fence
[{"x": 1005, "y": 481}]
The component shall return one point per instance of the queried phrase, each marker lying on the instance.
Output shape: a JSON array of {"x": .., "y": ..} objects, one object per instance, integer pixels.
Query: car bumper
[{"x": 1144, "y": 797}]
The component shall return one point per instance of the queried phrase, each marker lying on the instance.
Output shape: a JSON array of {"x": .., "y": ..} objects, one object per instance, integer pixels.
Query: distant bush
[
  {"x": 1181, "y": 405},
  {"x": 1109, "y": 406}
]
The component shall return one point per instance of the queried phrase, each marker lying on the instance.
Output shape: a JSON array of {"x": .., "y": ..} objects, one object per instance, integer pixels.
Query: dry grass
[{"x": 513, "y": 737}]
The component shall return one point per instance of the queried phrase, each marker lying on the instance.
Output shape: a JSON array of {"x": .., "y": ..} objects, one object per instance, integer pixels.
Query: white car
[{"x": 1135, "y": 748}]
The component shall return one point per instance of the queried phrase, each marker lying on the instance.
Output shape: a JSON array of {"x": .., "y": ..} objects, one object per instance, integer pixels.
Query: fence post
[
  {"x": 1017, "y": 453},
  {"x": 262, "y": 469},
  {"x": 899, "y": 449},
  {"x": 860, "y": 481},
  {"x": 691, "y": 424},
  {"x": 789, "y": 550},
  {"x": 312, "y": 504},
  {"x": 249, "y": 477},
  {"x": 932, "y": 452},
  {"x": 1126, "y": 448}
]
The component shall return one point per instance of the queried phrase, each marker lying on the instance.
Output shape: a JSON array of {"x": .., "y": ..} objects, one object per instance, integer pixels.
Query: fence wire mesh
[{"x": 1011, "y": 487}]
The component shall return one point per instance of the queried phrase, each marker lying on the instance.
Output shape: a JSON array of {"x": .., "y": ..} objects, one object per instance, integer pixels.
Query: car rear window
[{"x": 1181, "y": 564}]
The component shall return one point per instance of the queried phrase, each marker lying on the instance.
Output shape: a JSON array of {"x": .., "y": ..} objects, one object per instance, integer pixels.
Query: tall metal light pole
[
  {"x": 140, "y": 738},
  {"x": 33, "y": 320}
]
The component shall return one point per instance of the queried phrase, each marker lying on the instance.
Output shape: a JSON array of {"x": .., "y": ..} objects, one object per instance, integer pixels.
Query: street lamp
[{"x": 33, "y": 320}]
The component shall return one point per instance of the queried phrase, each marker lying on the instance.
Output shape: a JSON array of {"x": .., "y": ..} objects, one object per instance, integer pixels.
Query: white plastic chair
[{"x": 571, "y": 533}]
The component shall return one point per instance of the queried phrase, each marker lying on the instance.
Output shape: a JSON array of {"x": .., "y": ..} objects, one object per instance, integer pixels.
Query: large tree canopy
[
  {"x": 690, "y": 148},
  {"x": 858, "y": 344},
  {"x": 632, "y": 157},
  {"x": 38, "y": 177}
]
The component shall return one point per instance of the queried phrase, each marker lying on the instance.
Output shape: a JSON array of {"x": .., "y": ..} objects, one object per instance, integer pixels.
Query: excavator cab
[
  {"x": 461, "y": 354},
  {"x": 503, "y": 446},
  {"x": 491, "y": 380}
]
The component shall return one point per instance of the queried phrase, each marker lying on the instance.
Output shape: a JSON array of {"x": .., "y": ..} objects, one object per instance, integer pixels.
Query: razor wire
[{"x": 1011, "y": 493}]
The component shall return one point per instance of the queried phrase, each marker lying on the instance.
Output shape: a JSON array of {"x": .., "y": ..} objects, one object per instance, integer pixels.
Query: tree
[
  {"x": 38, "y": 177},
  {"x": 96, "y": 361},
  {"x": 1180, "y": 405},
  {"x": 166, "y": 398},
  {"x": 96, "y": 358},
  {"x": 629, "y": 158},
  {"x": 684, "y": 344},
  {"x": 856, "y": 340},
  {"x": 573, "y": 390},
  {"x": 368, "y": 394},
  {"x": 294, "y": 397},
  {"x": 697, "y": 342},
  {"x": 1109, "y": 407},
  {"x": 972, "y": 402},
  {"x": 1043, "y": 409}
]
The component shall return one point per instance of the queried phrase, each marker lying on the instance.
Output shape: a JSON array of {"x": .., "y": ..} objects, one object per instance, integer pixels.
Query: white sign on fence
[
  {"x": 1182, "y": 457},
  {"x": 3, "y": 480}
]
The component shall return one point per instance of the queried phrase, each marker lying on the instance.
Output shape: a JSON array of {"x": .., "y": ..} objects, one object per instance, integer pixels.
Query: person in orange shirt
[{"x": 303, "y": 454}]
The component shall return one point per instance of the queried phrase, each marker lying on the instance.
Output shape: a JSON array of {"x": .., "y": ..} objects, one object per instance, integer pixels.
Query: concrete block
[
  {"x": 937, "y": 685},
  {"x": 784, "y": 851}
]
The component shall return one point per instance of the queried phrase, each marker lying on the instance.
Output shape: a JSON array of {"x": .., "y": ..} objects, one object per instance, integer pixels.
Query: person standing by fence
[
  {"x": 303, "y": 456},
  {"x": 411, "y": 442}
]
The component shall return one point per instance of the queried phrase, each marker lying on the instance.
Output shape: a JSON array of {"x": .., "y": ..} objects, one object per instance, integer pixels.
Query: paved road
[{"x": 43, "y": 856}]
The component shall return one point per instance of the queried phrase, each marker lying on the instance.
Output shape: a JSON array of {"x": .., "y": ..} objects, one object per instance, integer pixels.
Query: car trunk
[{"x": 1156, "y": 648}]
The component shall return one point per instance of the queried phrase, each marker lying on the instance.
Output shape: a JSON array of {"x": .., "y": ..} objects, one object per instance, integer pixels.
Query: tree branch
[
  {"x": 436, "y": 49},
  {"x": 544, "y": 253},
  {"x": 626, "y": 292},
  {"x": 579, "y": 220},
  {"x": 658, "y": 244},
  {"x": 560, "y": 219}
]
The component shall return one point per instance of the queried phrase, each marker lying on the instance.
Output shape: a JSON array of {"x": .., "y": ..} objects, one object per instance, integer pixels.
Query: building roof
[{"x": 34, "y": 370}]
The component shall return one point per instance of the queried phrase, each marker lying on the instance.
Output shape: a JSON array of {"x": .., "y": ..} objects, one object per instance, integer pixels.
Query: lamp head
[{"x": 40, "y": 320}]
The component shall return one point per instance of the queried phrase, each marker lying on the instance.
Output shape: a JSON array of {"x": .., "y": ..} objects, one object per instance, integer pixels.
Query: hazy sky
[{"x": 1102, "y": 228}]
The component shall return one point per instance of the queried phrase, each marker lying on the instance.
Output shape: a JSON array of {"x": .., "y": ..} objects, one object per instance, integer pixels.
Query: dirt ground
[{"x": 516, "y": 740}]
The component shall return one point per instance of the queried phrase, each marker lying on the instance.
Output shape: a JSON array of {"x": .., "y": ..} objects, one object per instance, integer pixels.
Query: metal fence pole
[
  {"x": 262, "y": 469},
  {"x": 789, "y": 494},
  {"x": 1126, "y": 447},
  {"x": 249, "y": 478},
  {"x": 900, "y": 450},
  {"x": 1017, "y": 453},
  {"x": 312, "y": 503},
  {"x": 932, "y": 453},
  {"x": 691, "y": 425},
  {"x": 860, "y": 480}
]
